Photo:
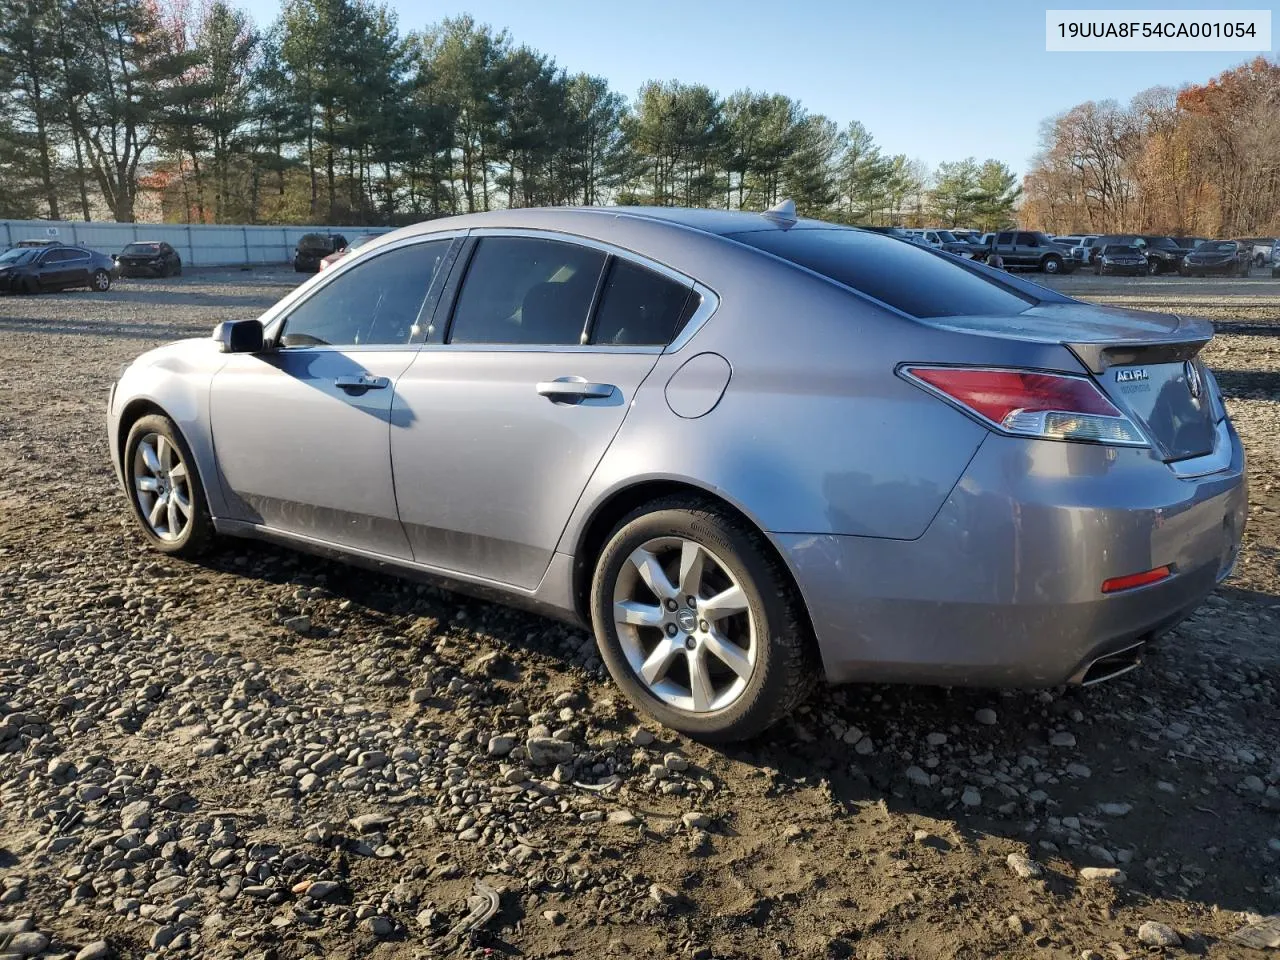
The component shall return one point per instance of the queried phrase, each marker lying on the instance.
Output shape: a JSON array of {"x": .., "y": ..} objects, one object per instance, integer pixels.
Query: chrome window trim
[
  {"x": 276, "y": 315},
  {"x": 710, "y": 300}
]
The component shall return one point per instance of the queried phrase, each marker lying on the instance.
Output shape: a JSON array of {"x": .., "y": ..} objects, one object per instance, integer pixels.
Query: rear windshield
[
  {"x": 142, "y": 248},
  {"x": 1222, "y": 246},
  {"x": 906, "y": 276}
]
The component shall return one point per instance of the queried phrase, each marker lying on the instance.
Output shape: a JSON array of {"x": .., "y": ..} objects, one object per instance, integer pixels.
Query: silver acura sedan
[{"x": 750, "y": 451}]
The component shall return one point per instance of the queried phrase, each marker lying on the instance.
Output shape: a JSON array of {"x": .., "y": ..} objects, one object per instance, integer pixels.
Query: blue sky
[{"x": 934, "y": 80}]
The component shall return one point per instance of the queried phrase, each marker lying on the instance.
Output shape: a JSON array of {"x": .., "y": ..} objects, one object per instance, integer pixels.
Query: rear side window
[
  {"x": 638, "y": 307},
  {"x": 526, "y": 290},
  {"x": 908, "y": 277}
]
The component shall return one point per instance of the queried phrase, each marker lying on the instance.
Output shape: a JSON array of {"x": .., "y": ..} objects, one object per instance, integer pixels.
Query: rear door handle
[
  {"x": 575, "y": 387},
  {"x": 362, "y": 382}
]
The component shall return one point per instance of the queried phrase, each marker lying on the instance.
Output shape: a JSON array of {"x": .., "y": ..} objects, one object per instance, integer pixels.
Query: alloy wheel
[
  {"x": 162, "y": 485},
  {"x": 101, "y": 281},
  {"x": 685, "y": 625}
]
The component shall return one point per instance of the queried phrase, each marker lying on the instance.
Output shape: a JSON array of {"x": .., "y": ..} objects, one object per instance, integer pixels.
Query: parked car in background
[
  {"x": 314, "y": 247},
  {"x": 1120, "y": 260},
  {"x": 1081, "y": 252},
  {"x": 1263, "y": 250},
  {"x": 968, "y": 236},
  {"x": 149, "y": 258},
  {"x": 1164, "y": 254},
  {"x": 544, "y": 423},
  {"x": 945, "y": 240},
  {"x": 1224, "y": 257},
  {"x": 37, "y": 269},
  {"x": 1073, "y": 239},
  {"x": 1030, "y": 249},
  {"x": 355, "y": 244},
  {"x": 1190, "y": 243},
  {"x": 36, "y": 242}
]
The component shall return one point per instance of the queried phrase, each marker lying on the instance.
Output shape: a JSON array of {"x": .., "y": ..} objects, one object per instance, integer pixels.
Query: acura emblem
[{"x": 1194, "y": 384}]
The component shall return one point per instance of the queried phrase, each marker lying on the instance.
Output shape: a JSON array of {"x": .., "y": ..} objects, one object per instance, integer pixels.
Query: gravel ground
[{"x": 272, "y": 756}]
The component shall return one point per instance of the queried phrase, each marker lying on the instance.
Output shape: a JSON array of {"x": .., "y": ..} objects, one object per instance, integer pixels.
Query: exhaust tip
[{"x": 1113, "y": 665}]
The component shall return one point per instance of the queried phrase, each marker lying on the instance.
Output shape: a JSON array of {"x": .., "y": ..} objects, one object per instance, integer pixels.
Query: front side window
[
  {"x": 1028, "y": 240},
  {"x": 639, "y": 307},
  {"x": 909, "y": 278},
  {"x": 526, "y": 290},
  {"x": 1005, "y": 238},
  {"x": 375, "y": 302}
]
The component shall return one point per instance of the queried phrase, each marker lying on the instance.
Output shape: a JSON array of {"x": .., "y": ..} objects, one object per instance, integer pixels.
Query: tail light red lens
[{"x": 1047, "y": 405}]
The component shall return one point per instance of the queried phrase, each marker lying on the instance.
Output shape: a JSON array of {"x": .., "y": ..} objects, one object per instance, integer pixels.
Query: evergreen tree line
[{"x": 114, "y": 108}]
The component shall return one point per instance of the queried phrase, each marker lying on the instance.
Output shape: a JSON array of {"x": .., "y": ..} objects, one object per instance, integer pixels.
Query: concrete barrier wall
[{"x": 200, "y": 245}]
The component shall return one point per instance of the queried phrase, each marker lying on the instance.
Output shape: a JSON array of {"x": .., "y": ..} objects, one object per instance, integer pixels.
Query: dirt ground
[{"x": 272, "y": 756}]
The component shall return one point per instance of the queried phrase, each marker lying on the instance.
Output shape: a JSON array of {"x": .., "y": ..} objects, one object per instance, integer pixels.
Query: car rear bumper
[{"x": 1004, "y": 588}]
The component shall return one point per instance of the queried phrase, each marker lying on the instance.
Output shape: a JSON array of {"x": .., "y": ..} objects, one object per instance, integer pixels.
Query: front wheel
[
  {"x": 1051, "y": 264},
  {"x": 100, "y": 281},
  {"x": 1153, "y": 267},
  {"x": 698, "y": 623},
  {"x": 164, "y": 488}
]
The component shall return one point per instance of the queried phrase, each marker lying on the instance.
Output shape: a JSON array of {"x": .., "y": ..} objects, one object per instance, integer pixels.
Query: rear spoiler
[{"x": 1189, "y": 340}]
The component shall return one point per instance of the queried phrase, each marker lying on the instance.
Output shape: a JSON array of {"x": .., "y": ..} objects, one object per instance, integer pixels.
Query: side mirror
[{"x": 239, "y": 336}]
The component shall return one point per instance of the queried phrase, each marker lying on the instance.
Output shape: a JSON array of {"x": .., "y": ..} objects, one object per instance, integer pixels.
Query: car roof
[{"x": 717, "y": 222}]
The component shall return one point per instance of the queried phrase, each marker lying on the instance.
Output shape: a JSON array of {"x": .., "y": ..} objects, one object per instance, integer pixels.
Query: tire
[
  {"x": 177, "y": 269},
  {"x": 1259, "y": 260},
  {"x": 31, "y": 285},
  {"x": 169, "y": 449},
  {"x": 778, "y": 656},
  {"x": 1153, "y": 268},
  {"x": 1051, "y": 264},
  {"x": 100, "y": 281}
]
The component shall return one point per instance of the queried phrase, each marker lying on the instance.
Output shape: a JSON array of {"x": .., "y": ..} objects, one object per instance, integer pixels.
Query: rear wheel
[
  {"x": 697, "y": 622},
  {"x": 164, "y": 488},
  {"x": 100, "y": 281}
]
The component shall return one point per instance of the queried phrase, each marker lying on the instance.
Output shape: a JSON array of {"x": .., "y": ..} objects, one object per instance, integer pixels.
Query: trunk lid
[{"x": 1147, "y": 364}]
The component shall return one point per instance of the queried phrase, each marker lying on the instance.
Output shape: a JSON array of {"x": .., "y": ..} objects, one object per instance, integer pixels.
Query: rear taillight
[{"x": 1031, "y": 404}]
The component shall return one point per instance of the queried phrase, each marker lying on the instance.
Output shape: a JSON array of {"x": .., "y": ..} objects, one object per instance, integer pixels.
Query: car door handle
[
  {"x": 574, "y": 387},
  {"x": 362, "y": 382}
]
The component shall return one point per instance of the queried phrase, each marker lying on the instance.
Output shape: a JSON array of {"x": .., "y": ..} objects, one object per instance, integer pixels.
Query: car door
[
  {"x": 302, "y": 431},
  {"x": 1026, "y": 249},
  {"x": 521, "y": 389},
  {"x": 1005, "y": 248},
  {"x": 54, "y": 267}
]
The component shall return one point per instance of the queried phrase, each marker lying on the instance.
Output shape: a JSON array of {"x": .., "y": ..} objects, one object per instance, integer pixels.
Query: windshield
[
  {"x": 142, "y": 248},
  {"x": 1221, "y": 246},
  {"x": 18, "y": 255},
  {"x": 946, "y": 236},
  {"x": 1114, "y": 248},
  {"x": 1163, "y": 243}
]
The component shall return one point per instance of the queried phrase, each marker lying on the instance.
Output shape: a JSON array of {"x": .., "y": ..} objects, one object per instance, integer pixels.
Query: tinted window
[
  {"x": 638, "y": 307},
  {"x": 58, "y": 256},
  {"x": 1028, "y": 240},
  {"x": 1116, "y": 248},
  {"x": 376, "y": 302},
  {"x": 914, "y": 280},
  {"x": 526, "y": 290},
  {"x": 1005, "y": 238},
  {"x": 142, "y": 248},
  {"x": 19, "y": 255}
]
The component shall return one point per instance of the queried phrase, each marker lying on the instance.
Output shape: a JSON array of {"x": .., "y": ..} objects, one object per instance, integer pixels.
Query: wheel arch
[{"x": 604, "y": 517}]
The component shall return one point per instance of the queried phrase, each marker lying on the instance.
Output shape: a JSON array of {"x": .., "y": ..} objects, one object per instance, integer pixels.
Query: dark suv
[
  {"x": 314, "y": 247},
  {"x": 149, "y": 258},
  {"x": 1164, "y": 254},
  {"x": 1030, "y": 248}
]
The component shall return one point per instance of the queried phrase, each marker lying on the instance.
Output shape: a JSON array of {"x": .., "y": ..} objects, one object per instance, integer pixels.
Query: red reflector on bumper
[{"x": 1135, "y": 580}]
